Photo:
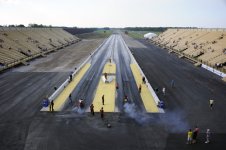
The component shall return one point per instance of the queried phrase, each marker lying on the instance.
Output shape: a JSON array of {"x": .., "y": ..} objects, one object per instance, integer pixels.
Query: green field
[
  {"x": 140, "y": 34},
  {"x": 95, "y": 35}
]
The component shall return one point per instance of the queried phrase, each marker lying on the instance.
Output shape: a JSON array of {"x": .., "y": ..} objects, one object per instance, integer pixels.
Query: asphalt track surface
[
  {"x": 115, "y": 49},
  {"x": 21, "y": 94},
  {"x": 187, "y": 104},
  {"x": 23, "y": 126}
]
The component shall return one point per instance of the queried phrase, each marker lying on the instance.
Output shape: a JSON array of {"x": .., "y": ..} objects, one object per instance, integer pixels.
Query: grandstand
[
  {"x": 207, "y": 46},
  {"x": 18, "y": 45}
]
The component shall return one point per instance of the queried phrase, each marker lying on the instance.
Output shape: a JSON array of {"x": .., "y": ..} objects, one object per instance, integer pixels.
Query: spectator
[
  {"x": 211, "y": 104},
  {"x": 143, "y": 79},
  {"x": 207, "y": 136},
  {"x": 70, "y": 98},
  {"x": 55, "y": 88},
  {"x": 102, "y": 113},
  {"x": 92, "y": 109},
  {"x": 140, "y": 88},
  {"x": 195, "y": 134},
  {"x": 189, "y": 140},
  {"x": 164, "y": 91},
  {"x": 102, "y": 99}
]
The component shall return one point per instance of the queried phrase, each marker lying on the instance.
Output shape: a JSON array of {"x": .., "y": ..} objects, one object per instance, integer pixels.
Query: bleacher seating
[
  {"x": 18, "y": 45},
  {"x": 207, "y": 46}
]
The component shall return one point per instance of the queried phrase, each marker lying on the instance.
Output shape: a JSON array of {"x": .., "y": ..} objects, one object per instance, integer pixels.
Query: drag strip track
[{"x": 114, "y": 48}]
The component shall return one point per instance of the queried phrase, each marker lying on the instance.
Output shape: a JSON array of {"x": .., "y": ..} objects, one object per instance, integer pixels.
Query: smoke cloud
[
  {"x": 78, "y": 110},
  {"x": 141, "y": 118},
  {"x": 173, "y": 122}
]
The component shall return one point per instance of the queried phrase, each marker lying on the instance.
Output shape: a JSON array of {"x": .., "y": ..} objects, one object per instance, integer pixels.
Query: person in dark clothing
[
  {"x": 117, "y": 86},
  {"x": 55, "y": 88},
  {"x": 156, "y": 90},
  {"x": 103, "y": 100},
  {"x": 81, "y": 103},
  {"x": 140, "y": 89},
  {"x": 195, "y": 134},
  {"x": 51, "y": 106},
  {"x": 70, "y": 77},
  {"x": 102, "y": 113},
  {"x": 70, "y": 98},
  {"x": 143, "y": 79},
  {"x": 105, "y": 75},
  {"x": 125, "y": 100},
  {"x": 92, "y": 109}
]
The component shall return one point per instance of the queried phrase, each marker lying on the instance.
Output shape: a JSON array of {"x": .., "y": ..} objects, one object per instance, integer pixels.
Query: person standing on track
[
  {"x": 51, "y": 106},
  {"x": 117, "y": 86},
  {"x": 189, "y": 140},
  {"x": 71, "y": 77},
  {"x": 70, "y": 98},
  {"x": 106, "y": 75},
  {"x": 92, "y": 109},
  {"x": 143, "y": 79},
  {"x": 164, "y": 91},
  {"x": 211, "y": 104},
  {"x": 125, "y": 100},
  {"x": 103, "y": 99},
  {"x": 195, "y": 134},
  {"x": 140, "y": 88},
  {"x": 102, "y": 113},
  {"x": 207, "y": 136}
]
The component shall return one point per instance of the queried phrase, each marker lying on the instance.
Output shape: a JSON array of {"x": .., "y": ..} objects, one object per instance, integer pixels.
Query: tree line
[{"x": 76, "y": 30}]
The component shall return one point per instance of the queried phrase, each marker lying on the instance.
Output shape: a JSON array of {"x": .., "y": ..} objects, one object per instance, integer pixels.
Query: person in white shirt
[
  {"x": 164, "y": 91},
  {"x": 211, "y": 104}
]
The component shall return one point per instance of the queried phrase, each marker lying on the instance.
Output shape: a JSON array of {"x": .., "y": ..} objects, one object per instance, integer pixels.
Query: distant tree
[
  {"x": 34, "y": 25},
  {"x": 154, "y": 29},
  {"x": 106, "y": 28},
  {"x": 126, "y": 32},
  {"x": 21, "y": 26},
  {"x": 76, "y": 30},
  {"x": 11, "y": 25}
]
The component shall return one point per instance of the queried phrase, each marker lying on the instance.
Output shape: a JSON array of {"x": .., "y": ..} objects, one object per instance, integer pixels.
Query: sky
[{"x": 115, "y": 13}]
